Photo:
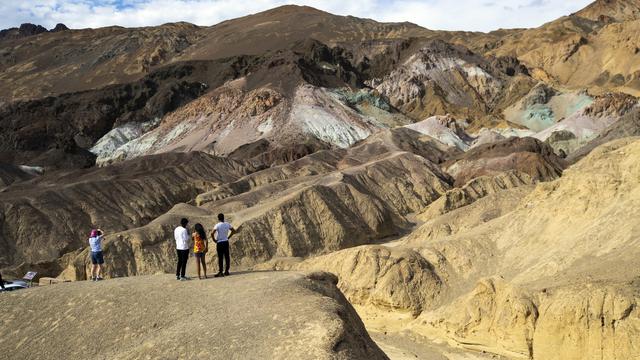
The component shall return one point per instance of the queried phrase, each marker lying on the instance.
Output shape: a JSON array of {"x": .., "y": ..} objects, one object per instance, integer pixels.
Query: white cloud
[{"x": 476, "y": 15}]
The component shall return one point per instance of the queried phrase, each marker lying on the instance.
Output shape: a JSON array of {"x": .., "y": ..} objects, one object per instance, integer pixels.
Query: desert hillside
[
  {"x": 272, "y": 89},
  {"x": 540, "y": 272}
]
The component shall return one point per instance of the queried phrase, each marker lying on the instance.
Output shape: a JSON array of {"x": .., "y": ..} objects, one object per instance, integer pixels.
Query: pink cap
[{"x": 94, "y": 233}]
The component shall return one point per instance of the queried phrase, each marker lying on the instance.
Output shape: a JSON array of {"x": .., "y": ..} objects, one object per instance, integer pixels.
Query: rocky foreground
[{"x": 264, "y": 315}]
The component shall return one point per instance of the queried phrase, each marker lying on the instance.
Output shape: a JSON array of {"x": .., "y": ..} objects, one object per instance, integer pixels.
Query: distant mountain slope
[
  {"x": 612, "y": 10},
  {"x": 76, "y": 97},
  {"x": 68, "y": 61},
  {"x": 594, "y": 48}
]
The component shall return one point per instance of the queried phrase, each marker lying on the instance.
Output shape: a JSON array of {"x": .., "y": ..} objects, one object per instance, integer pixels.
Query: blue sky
[{"x": 472, "y": 15}]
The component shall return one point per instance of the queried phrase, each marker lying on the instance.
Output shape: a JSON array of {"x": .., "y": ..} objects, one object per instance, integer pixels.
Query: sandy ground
[
  {"x": 404, "y": 346},
  {"x": 389, "y": 331},
  {"x": 261, "y": 315}
]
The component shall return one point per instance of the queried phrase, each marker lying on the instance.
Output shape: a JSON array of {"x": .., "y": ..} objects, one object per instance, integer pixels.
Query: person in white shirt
[
  {"x": 222, "y": 232},
  {"x": 181, "y": 234},
  {"x": 97, "y": 259}
]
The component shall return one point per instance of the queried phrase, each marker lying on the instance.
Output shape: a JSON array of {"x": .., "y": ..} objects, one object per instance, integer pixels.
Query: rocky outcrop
[
  {"x": 616, "y": 10},
  {"x": 576, "y": 130},
  {"x": 27, "y": 30},
  {"x": 24, "y": 30},
  {"x": 526, "y": 155},
  {"x": 446, "y": 129},
  {"x": 603, "y": 317},
  {"x": 475, "y": 189},
  {"x": 544, "y": 107},
  {"x": 627, "y": 125},
  {"x": 384, "y": 277},
  {"x": 59, "y": 27},
  {"x": 493, "y": 317},
  {"x": 263, "y": 315},
  {"x": 592, "y": 321},
  {"x": 563, "y": 142},
  {"x": 11, "y": 173},
  {"x": 442, "y": 78}
]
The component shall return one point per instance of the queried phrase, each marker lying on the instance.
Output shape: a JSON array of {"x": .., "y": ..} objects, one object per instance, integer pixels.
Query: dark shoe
[
  {"x": 177, "y": 277},
  {"x": 218, "y": 275},
  {"x": 226, "y": 273},
  {"x": 99, "y": 278}
]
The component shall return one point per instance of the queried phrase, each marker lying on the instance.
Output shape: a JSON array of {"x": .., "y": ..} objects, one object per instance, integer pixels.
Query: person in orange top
[{"x": 200, "y": 248}]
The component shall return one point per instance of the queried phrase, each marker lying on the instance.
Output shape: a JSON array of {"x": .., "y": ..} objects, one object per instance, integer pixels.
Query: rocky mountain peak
[
  {"x": 59, "y": 27},
  {"x": 28, "y": 29}
]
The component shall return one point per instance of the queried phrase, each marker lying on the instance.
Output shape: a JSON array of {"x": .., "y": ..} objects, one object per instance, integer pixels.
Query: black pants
[
  {"x": 183, "y": 256},
  {"x": 223, "y": 252}
]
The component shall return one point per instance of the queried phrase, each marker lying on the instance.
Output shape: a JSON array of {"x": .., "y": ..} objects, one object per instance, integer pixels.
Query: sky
[{"x": 470, "y": 15}]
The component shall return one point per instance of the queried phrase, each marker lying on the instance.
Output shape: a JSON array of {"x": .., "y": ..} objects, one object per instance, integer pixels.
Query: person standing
[
  {"x": 221, "y": 234},
  {"x": 200, "y": 248},
  {"x": 181, "y": 236},
  {"x": 97, "y": 259}
]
